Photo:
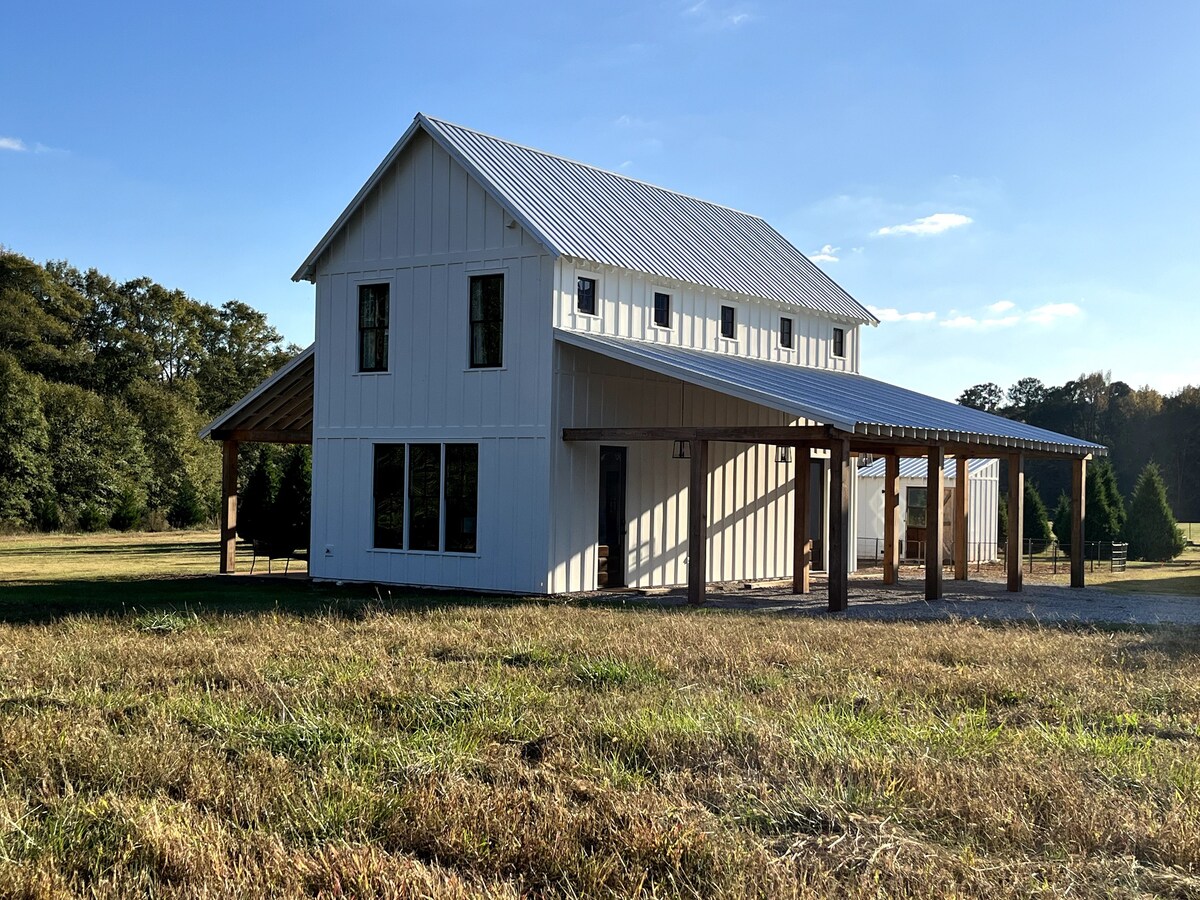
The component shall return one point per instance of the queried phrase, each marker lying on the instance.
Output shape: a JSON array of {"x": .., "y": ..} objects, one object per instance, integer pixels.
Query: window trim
[
  {"x": 481, "y": 273},
  {"x": 721, "y": 322},
  {"x": 598, "y": 281},
  {"x": 670, "y": 295},
  {"x": 355, "y": 285},
  {"x": 834, "y": 342},
  {"x": 790, "y": 346},
  {"x": 405, "y": 550}
]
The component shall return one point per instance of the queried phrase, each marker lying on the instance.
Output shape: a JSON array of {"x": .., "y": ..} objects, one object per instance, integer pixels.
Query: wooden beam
[
  {"x": 263, "y": 436},
  {"x": 934, "y": 522},
  {"x": 698, "y": 523},
  {"x": 1016, "y": 521},
  {"x": 839, "y": 526},
  {"x": 801, "y": 539},
  {"x": 762, "y": 434},
  {"x": 229, "y": 470},
  {"x": 962, "y": 513},
  {"x": 1078, "y": 516},
  {"x": 891, "y": 520}
]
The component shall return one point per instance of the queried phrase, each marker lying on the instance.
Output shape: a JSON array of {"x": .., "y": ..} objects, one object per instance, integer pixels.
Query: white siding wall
[
  {"x": 424, "y": 230},
  {"x": 750, "y": 494},
  {"x": 625, "y": 308}
]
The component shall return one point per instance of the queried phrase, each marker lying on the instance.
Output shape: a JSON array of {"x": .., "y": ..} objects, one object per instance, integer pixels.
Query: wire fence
[
  {"x": 1036, "y": 554},
  {"x": 912, "y": 553}
]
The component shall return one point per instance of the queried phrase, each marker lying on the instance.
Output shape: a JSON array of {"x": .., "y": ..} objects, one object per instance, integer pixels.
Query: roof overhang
[
  {"x": 873, "y": 412},
  {"x": 278, "y": 411}
]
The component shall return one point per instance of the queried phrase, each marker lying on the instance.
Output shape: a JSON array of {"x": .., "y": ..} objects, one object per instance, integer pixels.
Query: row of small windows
[
  {"x": 487, "y": 322},
  {"x": 426, "y": 497}
]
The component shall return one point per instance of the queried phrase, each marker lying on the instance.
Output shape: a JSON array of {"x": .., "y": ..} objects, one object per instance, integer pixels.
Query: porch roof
[
  {"x": 278, "y": 411},
  {"x": 844, "y": 401}
]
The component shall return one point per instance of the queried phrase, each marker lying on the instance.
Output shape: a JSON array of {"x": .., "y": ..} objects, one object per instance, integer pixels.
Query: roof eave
[{"x": 258, "y": 390}]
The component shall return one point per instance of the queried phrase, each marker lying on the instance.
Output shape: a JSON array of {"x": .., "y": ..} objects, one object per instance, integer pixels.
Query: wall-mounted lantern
[{"x": 681, "y": 450}]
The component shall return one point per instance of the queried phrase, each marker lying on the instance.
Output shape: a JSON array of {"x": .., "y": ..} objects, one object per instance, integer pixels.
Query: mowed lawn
[{"x": 175, "y": 735}]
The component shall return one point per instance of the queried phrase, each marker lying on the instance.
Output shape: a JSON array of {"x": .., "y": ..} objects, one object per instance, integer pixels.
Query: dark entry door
[
  {"x": 816, "y": 513},
  {"x": 611, "y": 568}
]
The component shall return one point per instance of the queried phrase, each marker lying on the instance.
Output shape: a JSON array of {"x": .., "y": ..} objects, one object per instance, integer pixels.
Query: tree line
[
  {"x": 1150, "y": 476},
  {"x": 104, "y": 387}
]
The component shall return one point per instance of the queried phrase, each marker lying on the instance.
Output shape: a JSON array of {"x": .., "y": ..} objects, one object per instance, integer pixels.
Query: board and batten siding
[
  {"x": 424, "y": 230},
  {"x": 750, "y": 493},
  {"x": 625, "y": 308}
]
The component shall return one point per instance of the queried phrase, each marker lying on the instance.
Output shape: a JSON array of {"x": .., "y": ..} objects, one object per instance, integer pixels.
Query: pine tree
[
  {"x": 1104, "y": 509},
  {"x": 293, "y": 504},
  {"x": 1062, "y": 521},
  {"x": 1036, "y": 521},
  {"x": 186, "y": 509},
  {"x": 1002, "y": 521},
  {"x": 1152, "y": 530},
  {"x": 256, "y": 510}
]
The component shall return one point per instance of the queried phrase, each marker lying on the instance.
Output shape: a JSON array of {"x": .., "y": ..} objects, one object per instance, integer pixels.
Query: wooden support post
[
  {"x": 802, "y": 540},
  {"x": 839, "y": 526},
  {"x": 1078, "y": 514},
  {"x": 891, "y": 520},
  {"x": 962, "y": 513},
  {"x": 934, "y": 522},
  {"x": 698, "y": 523},
  {"x": 1016, "y": 520},
  {"x": 229, "y": 470}
]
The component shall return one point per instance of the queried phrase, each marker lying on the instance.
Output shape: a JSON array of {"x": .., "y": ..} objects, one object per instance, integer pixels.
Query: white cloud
[
  {"x": 894, "y": 315},
  {"x": 1003, "y": 322},
  {"x": 718, "y": 15},
  {"x": 1045, "y": 315},
  {"x": 1001, "y": 306},
  {"x": 935, "y": 224},
  {"x": 828, "y": 253},
  {"x": 9, "y": 143},
  {"x": 960, "y": 322}
]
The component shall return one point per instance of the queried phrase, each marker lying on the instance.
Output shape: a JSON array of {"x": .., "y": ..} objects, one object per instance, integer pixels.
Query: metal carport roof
[{"x": 846, "y": 401}]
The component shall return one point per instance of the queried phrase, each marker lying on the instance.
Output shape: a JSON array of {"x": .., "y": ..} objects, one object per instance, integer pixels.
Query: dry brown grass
[{"x": 464, "y": 749}]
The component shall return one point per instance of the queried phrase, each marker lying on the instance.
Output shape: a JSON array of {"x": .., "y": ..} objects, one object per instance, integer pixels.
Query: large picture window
[
  {"x": 373, "y": 302},
  {"x": 426, "y": 497},
  {"x": 487, "y": 321}
]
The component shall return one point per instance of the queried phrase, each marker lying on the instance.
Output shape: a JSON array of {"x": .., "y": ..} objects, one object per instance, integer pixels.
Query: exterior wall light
[
  {"x": 783, "y": 454},
  {"x": 681, "y": 450}
]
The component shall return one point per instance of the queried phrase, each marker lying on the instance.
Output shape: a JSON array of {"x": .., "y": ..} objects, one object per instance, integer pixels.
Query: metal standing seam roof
[
  {"x": 281, "y": 402},
  {"x": 591, "y": 214},
  {"x": 918, "y": 467},
  {"x": 844, "y": 400}
]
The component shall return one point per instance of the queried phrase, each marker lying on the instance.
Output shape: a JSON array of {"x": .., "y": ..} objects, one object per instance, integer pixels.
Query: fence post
[{"x": 1054, "y": 556}]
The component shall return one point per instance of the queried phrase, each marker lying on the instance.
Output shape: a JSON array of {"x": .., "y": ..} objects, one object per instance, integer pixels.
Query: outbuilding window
[
  {"x": 728, "y": 321},
  {"x": 785, "y": 332},
  {"x": 372, "y": 327},
  {"x": 426, "y": 497},
  {"x": 487, "y": 321},
  {"x": 662, "y": 309},
  {"x": 585, "y": 296},
  {"x": 839, "y": 342}
]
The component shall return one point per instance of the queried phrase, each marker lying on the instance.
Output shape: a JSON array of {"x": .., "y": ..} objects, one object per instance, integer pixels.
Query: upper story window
[
  {"x": 487, "y": 321},
  {"x": 785, "y": 332},
  {"x": 839, "y": 342},
  {"x": 373, "y": 327},
  {"x": 585, "y": 296},
  {"x": 728, "y": 321},
  {"x": 662, "y": 309}
]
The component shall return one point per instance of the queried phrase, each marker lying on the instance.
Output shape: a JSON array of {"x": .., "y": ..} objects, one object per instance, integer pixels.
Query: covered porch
[
  {"x": 278, "y": 411},
  {"x": 846, "y": 415}
]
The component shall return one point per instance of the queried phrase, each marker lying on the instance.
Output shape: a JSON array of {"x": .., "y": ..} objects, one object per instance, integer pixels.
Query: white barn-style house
[{"x": 531, "y": 375}]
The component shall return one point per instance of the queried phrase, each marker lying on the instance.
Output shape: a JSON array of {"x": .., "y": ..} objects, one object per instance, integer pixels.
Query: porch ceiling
[
  {"x": 863, "y": 407},
  {"x": 279, "y": 410}
]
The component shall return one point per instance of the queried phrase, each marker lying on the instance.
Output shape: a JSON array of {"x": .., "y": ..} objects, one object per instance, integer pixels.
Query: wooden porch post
[
  {"x": 801, "y": 539},
  {"x": 1078, "y": 513},
  {"x": 229, "y": 470},
  {"x": 839, "y": 526},
  {"x": 934, "y": 522},
  {"x": 891, "y": 520},
  {"x": 698, "y": 523},
  {"x": 1016, "y": 520},
  {"x": 962, "y": 512}
]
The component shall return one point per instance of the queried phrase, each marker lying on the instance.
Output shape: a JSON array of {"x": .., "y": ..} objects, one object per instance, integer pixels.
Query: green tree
[
  {"x": 255, "y": 520},
  {"x": 1036, "y": 522},
  {"x": 240, "y": 350},
  {"x": 24, "y": 438},
  {"x": 187, "y": 509},
  {"x": 293, "y": 504},
  {"x": 1026, "y": 394},
  {"x": 1062, "y": 521},
  {"x": 1002, "y": 521},
  {"x": 1104, "y": 510},
  {"x": 985, "y": 396},
  {"x": 1153, "y": 532}
]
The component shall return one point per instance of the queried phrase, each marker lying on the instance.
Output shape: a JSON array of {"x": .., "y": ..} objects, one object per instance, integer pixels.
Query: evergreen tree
[
  {"x": 1002, "y": 523},
  {"x": 1104, "y": 509},
  {"x": 1036, "y": 521},
  {"x": 24, "y": 438},
  {"x": 257, "y": 508},
  {"x": 187, "y": 510},
  {"x": 293, "y": 505},
  {"x": 1062, "y": 521},
  {"x": 1152, "y": 530},
  {"x": 129, "y": 511}
]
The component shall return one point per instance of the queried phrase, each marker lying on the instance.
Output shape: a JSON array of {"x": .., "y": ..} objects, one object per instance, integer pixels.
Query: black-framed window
[
  {"x": 462, "y": 497},
  {"x": 487, "y": 321},
  {"x": 585, "y": 295},
  {"x": 424, "y": 496},
  {"x": 839, "y": 342},
  {"x": 916, "y": 507},
  {"x": 373, "y": 302},
  {"x": 728, "y": 321},
  {"x": 662, "y": 309},
  {"x": 785, "y": 332},
  {"x": 388, "y": 493}
]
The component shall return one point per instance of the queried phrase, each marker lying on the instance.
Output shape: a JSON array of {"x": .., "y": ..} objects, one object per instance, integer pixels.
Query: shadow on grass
[{"x": 139, "y": 549}]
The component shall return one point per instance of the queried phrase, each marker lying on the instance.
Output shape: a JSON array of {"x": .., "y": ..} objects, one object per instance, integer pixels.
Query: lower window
[{"x": 426, "y": 497}]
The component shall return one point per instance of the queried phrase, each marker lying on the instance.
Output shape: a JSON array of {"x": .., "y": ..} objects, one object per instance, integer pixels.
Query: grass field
[{"x": 188, "y": 736}]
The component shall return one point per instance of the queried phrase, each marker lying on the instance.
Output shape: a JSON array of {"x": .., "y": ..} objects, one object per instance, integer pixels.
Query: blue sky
[{"x": 1013, "y": 185}]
